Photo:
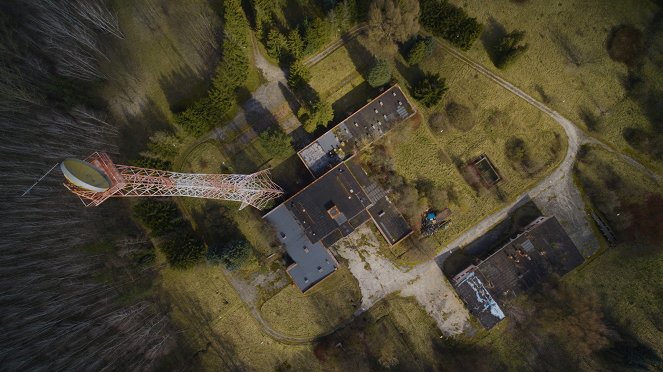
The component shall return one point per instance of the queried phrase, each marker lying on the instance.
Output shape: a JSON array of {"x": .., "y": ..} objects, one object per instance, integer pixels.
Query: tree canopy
[
  {"x": 393, "y": 20},
  {"x": 379, "y": 74},
  {"x": 450, "y": 22},
  {"x": 509, "y": 49},
  {"x": 276, "y": 143},
  {"x": 429, "y": 90}
]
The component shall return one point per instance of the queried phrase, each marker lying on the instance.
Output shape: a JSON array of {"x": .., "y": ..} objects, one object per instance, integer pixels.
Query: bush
[
  {"x": 183, "y": 251},
  {"x": 449, "y": 22},
  {"x": 438, "y": 122},
  {"x": 421, "y": 49},
  {"x": 626, "y": 45},
  {"x": 276, "y": 143},
  {"x": 460, "y": 116},
  {"x": 509, "y": 49},
  {"x": 380, "y": 73},
  {"x": 429, "y": 90},
  {"x": 232, "y": 254},
  {"x": 517, "y": 153},
  {"x": 393, "y": 20},
  {"x": 181, "y": 246}
]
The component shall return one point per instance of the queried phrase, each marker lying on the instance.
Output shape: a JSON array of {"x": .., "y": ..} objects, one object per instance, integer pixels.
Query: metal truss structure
[{"x": 255, "y": 189}]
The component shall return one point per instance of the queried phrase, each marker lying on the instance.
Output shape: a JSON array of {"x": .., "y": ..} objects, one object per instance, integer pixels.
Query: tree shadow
[
  {"x": 290, "y": 98},
  {"x": 353, "y": 101},
  {"x": 492, "y": 33},
  {"x": 256, "y": 114},
  {"x": 412, "y": 74},
  {"x": 361, "y": 57},
  {"x": 184, "y": 86},
  {"x": 291, "y": 174},
  {"x": 134, "y": 136}
]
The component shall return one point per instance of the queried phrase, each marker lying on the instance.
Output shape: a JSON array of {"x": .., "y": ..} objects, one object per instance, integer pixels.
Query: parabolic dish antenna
[{"x": 85, "y": 175}]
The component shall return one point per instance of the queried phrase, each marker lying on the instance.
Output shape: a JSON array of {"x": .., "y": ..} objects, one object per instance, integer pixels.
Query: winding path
[{"x": 436, "y": 296}]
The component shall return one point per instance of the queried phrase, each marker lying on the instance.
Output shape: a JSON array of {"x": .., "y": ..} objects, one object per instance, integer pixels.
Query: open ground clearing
[
  {"x": 378, "y": 278},
  {"x": 567, "y": 65},
  {"x": 320, "y": 309}
]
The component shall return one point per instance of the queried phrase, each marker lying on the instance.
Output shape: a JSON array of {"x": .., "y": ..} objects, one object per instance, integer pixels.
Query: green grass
[
  {"x": 317, "y": 311},
  {"x": 212, "y": 317},
  {"x": 334, "y": 72},
  {"x": 421, "y": 155},
  {"x": 396, "y": 326},
  {"x": 567, "y": 65}
]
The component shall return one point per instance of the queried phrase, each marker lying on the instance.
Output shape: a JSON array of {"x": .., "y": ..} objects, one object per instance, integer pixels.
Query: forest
[{"x": 173, "y": 284}]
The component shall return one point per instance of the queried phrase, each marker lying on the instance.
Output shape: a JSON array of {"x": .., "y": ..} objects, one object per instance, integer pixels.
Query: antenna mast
[{"x": 98, "y": 179}]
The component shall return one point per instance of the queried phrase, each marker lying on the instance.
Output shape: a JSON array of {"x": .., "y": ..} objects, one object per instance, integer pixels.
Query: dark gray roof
[
  {"x": 364, "y": 126},
  {"x": 391, "y": 223},
  {"x": 478, "y": 299},
  {"x": 313, "y": 261},
  {"x": 543, "y": 249},
  {"x": 327, "y": 204}
]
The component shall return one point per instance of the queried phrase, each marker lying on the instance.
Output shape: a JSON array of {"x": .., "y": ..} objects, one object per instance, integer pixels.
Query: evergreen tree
[
  {"x": 429, "y": 90},
  {"x": 379, "y": 74}
]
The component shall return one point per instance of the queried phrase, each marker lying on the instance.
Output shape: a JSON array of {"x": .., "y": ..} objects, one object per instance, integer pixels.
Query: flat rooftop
[
  {"x": 541, "y": 250},
  {"x": 361, "y": 128},
  {"x": 327, "y": 210},
  {"x": 313, "y": 262}
]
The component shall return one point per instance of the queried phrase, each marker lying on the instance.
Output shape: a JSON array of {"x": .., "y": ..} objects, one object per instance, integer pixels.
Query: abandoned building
[
  {"x": 342, "y": 197},
  {"x": 361, "y": 128},
  {"x": 541, "y": 250}
]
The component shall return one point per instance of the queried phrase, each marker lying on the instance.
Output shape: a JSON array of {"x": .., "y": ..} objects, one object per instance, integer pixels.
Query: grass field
[
  {"x": 567, "y": 65},
  {"x": 328, "y": 304},
  {"x": 217, "y": 326},
  {"x": 495, "y": 116},
  {"x": 394, "y": 331}
]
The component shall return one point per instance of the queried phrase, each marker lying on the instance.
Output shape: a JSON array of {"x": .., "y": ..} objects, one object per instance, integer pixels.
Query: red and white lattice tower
[{"x": 98, "y": 178}]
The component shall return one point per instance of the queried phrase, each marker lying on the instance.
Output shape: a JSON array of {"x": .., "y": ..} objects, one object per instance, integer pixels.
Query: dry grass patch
[
  {"x": 218, "y": 327},
  {"x": 568, "y": 65},
  {"x": 317, "y": 311}
]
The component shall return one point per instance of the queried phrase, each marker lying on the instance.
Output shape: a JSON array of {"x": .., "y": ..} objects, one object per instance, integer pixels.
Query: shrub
[
  {"x": 438, "y": 122},
  {"x": 183, "y": 251},
  {"x": 276, "y": 143},
  {"x": 429, "y": 90},
  {"x": 421, "y": 49},
  {"x": 232, "y": 254},
  {"x": 626, "y": 44},
  {"x": 393, "y": 20},
  {"x": 449, "y": 22},
  {"x": 380, "y": 73},
  {"x": 460, "y": 116},
  {"x": 517, "y": 153}
]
